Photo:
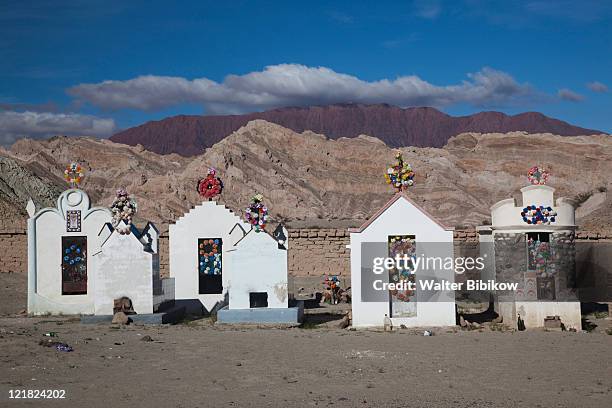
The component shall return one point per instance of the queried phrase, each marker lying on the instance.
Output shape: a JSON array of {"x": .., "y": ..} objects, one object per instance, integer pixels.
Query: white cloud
[
  {"x": 429, "y": 9},
  {"x": 569, "y": 95},
  {"x": 298, "y": 85},
  {"x": 597, "y": 86},
  {"x": 38, "y": 125}
]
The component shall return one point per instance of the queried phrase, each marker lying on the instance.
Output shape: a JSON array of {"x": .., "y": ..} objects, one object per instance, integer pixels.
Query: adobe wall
[
  {"x": 313, "y": 253},
  {"x": 13, "y": 251}
]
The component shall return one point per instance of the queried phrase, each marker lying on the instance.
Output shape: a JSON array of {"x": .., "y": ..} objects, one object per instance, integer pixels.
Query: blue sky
[{"x": 93, "y": 67}]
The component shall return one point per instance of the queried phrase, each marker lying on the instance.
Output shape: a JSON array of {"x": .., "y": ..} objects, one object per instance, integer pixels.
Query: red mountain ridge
[{"x": 397, "y": 127}]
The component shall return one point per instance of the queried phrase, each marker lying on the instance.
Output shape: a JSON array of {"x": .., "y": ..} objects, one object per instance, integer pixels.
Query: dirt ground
[{"x": 199, "y": 364}]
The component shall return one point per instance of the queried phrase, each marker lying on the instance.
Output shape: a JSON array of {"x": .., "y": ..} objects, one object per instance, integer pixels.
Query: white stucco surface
[
  {"x": 506, "y": 214},
  {"x": 402, "y": 217},
  {"x": 534, "y": 313},
  {"x": 45, "y": 231},
  {"x": 207, "y": 220},
  {"x": 127, "y": 266},
  {"x": 258, "y": 265}
]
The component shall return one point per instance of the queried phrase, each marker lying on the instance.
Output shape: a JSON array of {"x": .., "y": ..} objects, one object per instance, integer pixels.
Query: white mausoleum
[
  {"x": 79, "y": 264},
  {"x": 61, "y": 244},
  {"x": 258, "y": 275},
  {"x": 400, "y": 227},
  {"x": 199, "y": 254},
  {"x": 128, "y": 266},
  {"x": 539, "y": 256}
]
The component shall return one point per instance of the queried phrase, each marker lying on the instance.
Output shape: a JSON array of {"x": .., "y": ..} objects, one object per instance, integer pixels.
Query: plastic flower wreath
[
  {"x": 257, "y": 213},
  {"x": 538, "y": 215},
  {"x": 123, "y": 209},
  {"x": 210, "y": 257},
  {"x": 73, "y": 174},
  {"x": 211, "y": 186},
  {"x": 401, "y": 175},
  {"x": 538, "y": 176}
]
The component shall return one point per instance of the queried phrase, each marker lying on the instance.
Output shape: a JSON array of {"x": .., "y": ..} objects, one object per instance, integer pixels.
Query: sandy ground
[{"x": 199, "y": 364}]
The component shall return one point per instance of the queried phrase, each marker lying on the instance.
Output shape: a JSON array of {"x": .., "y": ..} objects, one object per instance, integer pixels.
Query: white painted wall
[
  {"x": 401, "y": 218},
  {"x": 534, "y": 313},
  {"x": 207, "y": 220},
  {"x": 258, "y": 265},
  {"x": 125, "y": 268},
  {"x": 45, "y": 231},
  {"x": 507, "y": 213}
]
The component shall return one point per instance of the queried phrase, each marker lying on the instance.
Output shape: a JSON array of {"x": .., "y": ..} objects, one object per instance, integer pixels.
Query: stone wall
[
  {"x": 312, "y": 252},
  {"x": 164, "y": 257},
  {"x": 13, "y": 251},
  {"x": 318, "y": 252}
]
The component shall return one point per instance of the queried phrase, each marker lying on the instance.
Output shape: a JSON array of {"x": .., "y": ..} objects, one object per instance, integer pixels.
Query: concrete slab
[
  {"x": 261, "y": 315},
  {"x": 170, "y": 316}
]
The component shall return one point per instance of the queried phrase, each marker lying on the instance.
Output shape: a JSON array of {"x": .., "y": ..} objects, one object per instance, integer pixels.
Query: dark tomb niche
[
  {"x": 74, "y": 265},
  {"x": 258, "y": 299},
  {"x": 210, "y": 267}
]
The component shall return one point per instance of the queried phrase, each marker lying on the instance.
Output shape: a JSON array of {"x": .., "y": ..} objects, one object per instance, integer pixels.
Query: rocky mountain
[
  {"x": 18, "y": 183},
  {"x": 397, "y": 127},
  {"x": 310, "y": 180}
]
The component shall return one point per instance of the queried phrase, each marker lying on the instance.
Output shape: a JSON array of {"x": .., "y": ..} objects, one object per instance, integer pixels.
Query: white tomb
[
  {"x": 258, "y": 273},
  {"x": 539, "y": 256},
  {"x": 400, "y": 227},
  {"x": 257, "y": 280},
  {"x": 128, "y": 266},
  {"x": 61, "y": 244},
  {"x": 199, "y": 254}
]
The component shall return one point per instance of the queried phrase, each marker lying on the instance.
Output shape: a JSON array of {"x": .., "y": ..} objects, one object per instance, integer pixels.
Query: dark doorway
[
  {"x": 210, "y": 267},
  {"x": 74, "y": 265},
  {"x": 258, "y": 299}
]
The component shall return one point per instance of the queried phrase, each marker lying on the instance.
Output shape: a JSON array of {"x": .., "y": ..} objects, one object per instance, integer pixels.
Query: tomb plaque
[
  {"x": 74, "y": 265},
  {"x": 73, "y": 221},
  {"x": 546, "y": 288}
]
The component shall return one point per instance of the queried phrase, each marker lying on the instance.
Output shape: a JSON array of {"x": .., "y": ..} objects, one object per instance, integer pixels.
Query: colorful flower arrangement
[
  {"x": 333, "y": 288},
  {"x": 73, "y": 174},
  {"x": 210, "y": 256},
  {"x": 331, "y": 282},
  {"x": 538, "y": 176},
  {"x": 401, "y": 245},
  {"x": 401, "y": 175},
  {"x": 210, "y": 186},
  {"x": 123, "y": 209},
  {"x": 74, "y": 256},
  {"x": 533, "y": 214},
  {"x": 257, "y": 213},
  {"x": 539, "y": 255}
]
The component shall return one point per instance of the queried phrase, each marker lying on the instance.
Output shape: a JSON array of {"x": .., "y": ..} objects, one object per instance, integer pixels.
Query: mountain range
[
  {"x": 310, "y": 180},
  {"x": 397, "y": 127}
]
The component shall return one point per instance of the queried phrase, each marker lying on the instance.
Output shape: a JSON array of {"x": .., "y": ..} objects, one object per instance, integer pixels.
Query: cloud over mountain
[
  {"x": 15, "y": 125},
  {"x": 569, "y": 95},
  {"x": 298, "y": 85}
]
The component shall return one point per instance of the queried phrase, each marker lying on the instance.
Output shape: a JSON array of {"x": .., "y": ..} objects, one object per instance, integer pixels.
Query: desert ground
[{"x": 200, "y": 364}]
